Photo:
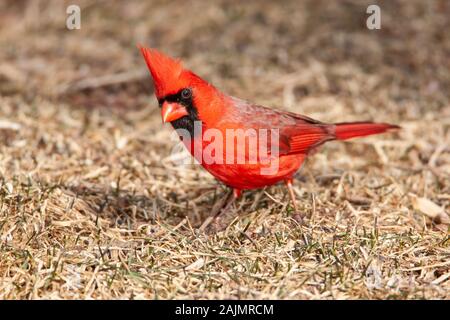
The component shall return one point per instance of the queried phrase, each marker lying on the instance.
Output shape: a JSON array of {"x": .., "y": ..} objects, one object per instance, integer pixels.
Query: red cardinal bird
[{"x": 187, "y": 100}]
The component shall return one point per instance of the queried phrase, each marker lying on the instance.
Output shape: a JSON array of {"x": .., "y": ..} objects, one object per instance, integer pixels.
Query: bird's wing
[{"x": 296, "y": 133}]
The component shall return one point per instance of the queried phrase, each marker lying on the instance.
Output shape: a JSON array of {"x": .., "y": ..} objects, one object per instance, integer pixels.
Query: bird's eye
[{"x": 186, "y": 93}]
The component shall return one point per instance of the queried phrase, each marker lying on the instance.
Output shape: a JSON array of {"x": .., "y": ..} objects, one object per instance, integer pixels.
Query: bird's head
[{"x": 182, "y": 95}]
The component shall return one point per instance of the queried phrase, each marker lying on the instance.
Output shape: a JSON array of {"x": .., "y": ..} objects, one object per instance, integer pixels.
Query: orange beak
[{"x": 172, "y": 111}]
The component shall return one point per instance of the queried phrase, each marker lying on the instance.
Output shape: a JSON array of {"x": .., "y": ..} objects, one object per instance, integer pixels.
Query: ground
[{"x": 92, "y": 205}]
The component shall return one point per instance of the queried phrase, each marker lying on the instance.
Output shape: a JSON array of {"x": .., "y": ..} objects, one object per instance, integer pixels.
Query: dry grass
[{"x": 91, "y": 207}]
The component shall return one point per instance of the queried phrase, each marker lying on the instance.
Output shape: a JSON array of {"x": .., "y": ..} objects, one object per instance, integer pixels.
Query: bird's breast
[{"x": 241, "y": 161}]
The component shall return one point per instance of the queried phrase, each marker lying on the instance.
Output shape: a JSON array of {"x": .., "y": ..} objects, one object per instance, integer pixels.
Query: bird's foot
[
  {"x": 297, "y": 216},
  {"x": 218, "y": 224},
  {"x": 222, "y": 214}
]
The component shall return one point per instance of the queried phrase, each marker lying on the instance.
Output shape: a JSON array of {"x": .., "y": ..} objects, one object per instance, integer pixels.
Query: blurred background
[
  {"x": 82, "y": 141},
  {"x": 83, "y": 99},
  {"x": 253, "y": 49}
]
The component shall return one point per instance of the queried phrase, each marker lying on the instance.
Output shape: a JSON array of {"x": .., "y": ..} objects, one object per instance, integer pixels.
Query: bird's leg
[
  {"x": 216, "y": 216},
  {"x": 225, "y": 203},
  {"x": 297, "y": 215},
  {"x": 236, "y": 193}
]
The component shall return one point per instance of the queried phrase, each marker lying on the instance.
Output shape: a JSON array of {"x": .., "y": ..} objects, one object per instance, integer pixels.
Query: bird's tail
[{"x": 344, "y": 131}]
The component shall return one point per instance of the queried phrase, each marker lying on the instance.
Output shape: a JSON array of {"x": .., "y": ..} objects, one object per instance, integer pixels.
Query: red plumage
[
  {"x": 360, "y": 129},
  {"x": 297, "y": 134}
]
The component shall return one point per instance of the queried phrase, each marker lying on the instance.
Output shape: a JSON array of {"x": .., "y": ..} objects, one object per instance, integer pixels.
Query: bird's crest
[{"x": 166, "y": 71}]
